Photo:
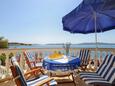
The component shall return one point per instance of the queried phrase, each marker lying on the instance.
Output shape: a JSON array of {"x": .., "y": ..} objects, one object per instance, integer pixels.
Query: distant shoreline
[
  {"x": 17, "y": 43},
  {"x": 82, "y": 45}
]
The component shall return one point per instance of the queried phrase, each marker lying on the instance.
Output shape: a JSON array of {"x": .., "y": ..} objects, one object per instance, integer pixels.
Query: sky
[{"x": 40, "y": 21}]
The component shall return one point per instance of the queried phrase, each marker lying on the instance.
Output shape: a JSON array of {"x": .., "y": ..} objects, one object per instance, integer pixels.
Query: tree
[
  {"x": 1, "y": 38},
  {"x": 3, "y": 42}
]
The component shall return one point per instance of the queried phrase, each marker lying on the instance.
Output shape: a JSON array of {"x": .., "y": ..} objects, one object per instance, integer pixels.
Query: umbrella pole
[{"x": 96, "y": 63}]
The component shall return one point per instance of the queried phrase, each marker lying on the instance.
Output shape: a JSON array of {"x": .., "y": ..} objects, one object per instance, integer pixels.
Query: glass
[{"x": 67, "y": 47}]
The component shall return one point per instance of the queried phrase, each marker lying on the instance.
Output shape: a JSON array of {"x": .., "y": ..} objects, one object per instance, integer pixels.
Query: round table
[{"x": 64, "y": 63}]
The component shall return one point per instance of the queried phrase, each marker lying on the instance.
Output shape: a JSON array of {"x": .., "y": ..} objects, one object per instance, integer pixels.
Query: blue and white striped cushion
[
  {"x": 86, "y": 57},
  {"x": 34, "y": 82},
  {"x": 100, "y": 72},
  {"x": 108, "y": 79},
  {"x": 106, "y": 70},
  {"x": 90, "y": 73}
]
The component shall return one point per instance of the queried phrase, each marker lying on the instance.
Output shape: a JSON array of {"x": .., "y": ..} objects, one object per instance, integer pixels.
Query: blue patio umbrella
[{"x": 91, "y": 16}]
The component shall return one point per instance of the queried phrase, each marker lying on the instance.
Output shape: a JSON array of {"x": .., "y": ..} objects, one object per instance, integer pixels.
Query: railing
[{"x": 5, "y": 70}]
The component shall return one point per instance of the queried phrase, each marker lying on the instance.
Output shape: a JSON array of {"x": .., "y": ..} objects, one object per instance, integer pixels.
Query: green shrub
[
  {"x": 3, "y": 43},
  {"x": 3, "y": 58},
  {"x": 11, "y": 55}
]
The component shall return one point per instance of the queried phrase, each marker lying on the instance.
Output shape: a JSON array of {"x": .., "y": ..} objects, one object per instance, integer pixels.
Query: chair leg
[{"x": 73, "y": 80}]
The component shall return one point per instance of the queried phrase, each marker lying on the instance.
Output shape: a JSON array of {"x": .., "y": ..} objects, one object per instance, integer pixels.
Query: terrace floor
[{"x": 61, "y": 82}]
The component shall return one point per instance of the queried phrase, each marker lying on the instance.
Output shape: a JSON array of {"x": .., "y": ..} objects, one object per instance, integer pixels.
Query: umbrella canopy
[{"x": 91, "y": 16}]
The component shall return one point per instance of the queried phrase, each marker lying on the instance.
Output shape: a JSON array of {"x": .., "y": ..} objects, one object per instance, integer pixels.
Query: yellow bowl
[{"x": 55, "y": 56}]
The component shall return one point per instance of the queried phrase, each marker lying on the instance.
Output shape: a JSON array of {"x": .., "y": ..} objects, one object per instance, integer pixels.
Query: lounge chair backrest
[
  {"x": 18, "y": 76},
  {"x": 15, "y": 62},
  {"x": 103, "y": 62},
  {"x": 84, "y": 56},
  {"x": 104, "y": 65},
  {"x": 108, "y": 67},
  {"x": 30, "y": 59},
  {"x": 14, "y": 74},
  {"x": 17, "y": 72},
  {"x": 18, "y": 56},
  {"x": 30, "y": 56},
  {"x": 81, "y": 54},
  {"x": 111, "y": 75},
  {"x": 20, "y": 73}
]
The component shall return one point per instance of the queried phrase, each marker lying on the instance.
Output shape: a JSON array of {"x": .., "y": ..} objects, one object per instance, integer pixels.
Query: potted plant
[
  {"x": 11, "y": 55},
  {"x": 3, "y": 58}
]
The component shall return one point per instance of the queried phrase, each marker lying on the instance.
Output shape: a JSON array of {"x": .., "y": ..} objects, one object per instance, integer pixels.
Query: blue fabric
[
  {"x": 81, "y": 19},
  {"x": 43, "y": 77},
  {"x": 53, "y": 65},
  {"x": 103, "y": 70},
  {"x": 104, "y": 80}
]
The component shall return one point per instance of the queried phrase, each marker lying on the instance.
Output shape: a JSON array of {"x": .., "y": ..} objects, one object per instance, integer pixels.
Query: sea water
[
  {"x": 39, "y": 46},
  {"x": 62, "y": 46}
]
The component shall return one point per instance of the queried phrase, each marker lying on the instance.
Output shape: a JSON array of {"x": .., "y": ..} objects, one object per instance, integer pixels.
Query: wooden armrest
[
  {"x": 41, "y": 69},
  {"x": 45, "y": 81},
  {"x": 6, "y": 79},
  {"x": 32, "y": 71}
]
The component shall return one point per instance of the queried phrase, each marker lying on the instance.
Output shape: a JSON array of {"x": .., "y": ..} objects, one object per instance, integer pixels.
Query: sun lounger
[
  {"x": 84, "y": 57},
  {"x": 21, "y": 81},
  {"x": 106, "y": 78},
  {"x": 99, "y": 70},
  {"x": 32, "y": 60},
  {"x": 105, "y": 71},
  {"x": 109, "y": 80}
]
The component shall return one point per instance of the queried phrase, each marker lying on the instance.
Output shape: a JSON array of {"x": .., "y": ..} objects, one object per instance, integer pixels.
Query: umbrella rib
[
  {"x": 99, "y": 27},
  {"x": 84, "y": 18},
  {"x": 107, "y": 15}
]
